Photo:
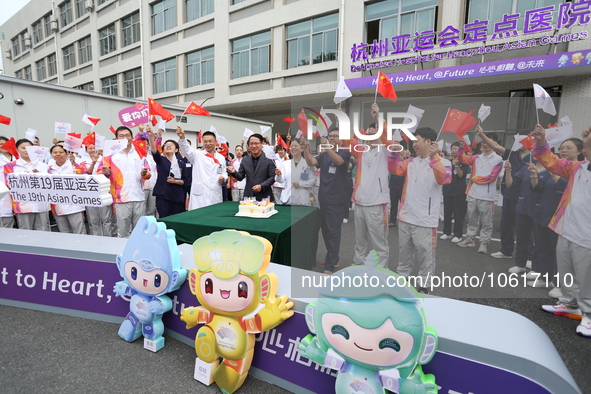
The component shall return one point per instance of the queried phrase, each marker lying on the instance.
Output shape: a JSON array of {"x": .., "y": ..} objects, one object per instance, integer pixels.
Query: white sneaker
[
  {"x": 467, "y": 243},
  {"x": 533, "y": 275},
  {"x": 483, "y": 248},
  {"x": 536, "y": 283},
  {"x": 345, "y": 221},
  {"x": 516, "y": 270},
  {"x": 500, "y": 255},
  {"x": 445, "y": 236},
  {"x": 555, "y": 292},
  {"x": 584, "y": 329},
  {"x": 455, "y": 240},
  {"x": 562, "y": 310}
]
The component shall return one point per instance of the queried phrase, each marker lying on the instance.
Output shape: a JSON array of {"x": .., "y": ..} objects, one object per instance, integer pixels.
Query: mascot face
[
  {"x": 145, "y": 277},
  {"x": 382, "y": 346},
  {"x": 229, "y": 295}
]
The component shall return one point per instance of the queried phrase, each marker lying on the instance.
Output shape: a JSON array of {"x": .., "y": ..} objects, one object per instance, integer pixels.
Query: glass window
[
  {"x": 89, "y": 86},
  {"x": 131, "y": 29},
  {"x": 493, "y": 10},
  {"x": 47, "y": 25},
  {"x": 132, "y": 83},
  {"x": 251, "y": 55},
  {"x": 198, "y": 8},
  {"x": 24, "y": 45},
  {"x": 200, "y": 67},
  {"x": 391, "y": 18},
  {"x": 65, "y": 10},
  {"x": 41, "y": 74},
  {"x": 163, "y": 16},
  {"x": 110, "y": 85},
  {"x": 19, "y": 74},
  {"x": 28, "y": 73},
  {"x": 237, "y": 1},
  {"x": 69, "y": 57},
  {"x": 16, "y": 46},
  {"x": 80, "y": 8},
  {"x": 164, "y": 75},
  {"x": 102, "y": 2},
  {"x": 85, "y": 50},
  {"x": 51, "y": 65},
  {"x": 37, "y": 32},
  {"x": 313, "y": 41},
  {"x": 107, "y": 39}
]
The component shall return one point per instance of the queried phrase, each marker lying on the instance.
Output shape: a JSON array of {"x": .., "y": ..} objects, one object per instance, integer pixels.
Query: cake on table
[{"x": 250, "y": 207}]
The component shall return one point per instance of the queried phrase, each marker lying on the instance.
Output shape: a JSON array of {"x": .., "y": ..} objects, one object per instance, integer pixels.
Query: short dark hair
[
  {"x": 238, "y": 146},
  {"x": 22, "y": 141},
  {"x": 456, "y": 143},
  {"x": 122, "y": 128},
  {"x": 57, "y": 146},
  {"x": 209, "y": 133},
  {"x": 256, "y": 135},
  {"x": 427, "y": 133},
  {"x": 37, "y": 138},
  {"x": 176, "y": 144},
  {"x": 578, "y": 143},
  {"x": 493, "y": 136},
  {"x": 278, "y": 148},
  {"x": 372, "y": 125},
  {"x": 2, "y": 138}
]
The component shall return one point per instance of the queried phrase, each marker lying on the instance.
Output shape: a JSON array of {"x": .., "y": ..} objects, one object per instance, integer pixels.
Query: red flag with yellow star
[
  {"x": 141, "y": 147},
  {"x": 194, "y": 109},
  {"x": 90, "y": 139},
  {"x": 458, "y": 122},
  {"x": 156, "y": 109},
  {"x": 385, "y": 87}
]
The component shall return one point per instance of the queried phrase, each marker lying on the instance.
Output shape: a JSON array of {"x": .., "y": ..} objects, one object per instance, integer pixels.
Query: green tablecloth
[{"x": 293, "y": 230}]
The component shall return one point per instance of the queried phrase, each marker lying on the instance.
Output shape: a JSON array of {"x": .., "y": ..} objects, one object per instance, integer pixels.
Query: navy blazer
[
  {"x": 170, "y": 191},
  {"x": 264, "y": 175}
]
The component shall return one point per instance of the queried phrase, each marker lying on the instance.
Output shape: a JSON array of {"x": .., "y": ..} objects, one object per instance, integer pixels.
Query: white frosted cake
[{"x": 252, "y": 208}]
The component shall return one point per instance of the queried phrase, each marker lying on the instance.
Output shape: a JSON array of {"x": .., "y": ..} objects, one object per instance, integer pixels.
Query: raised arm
[
  {"x": 310, "y": 160},
  {"x": 543, "y": 154},
  {"x": 186, "y": 149},
  {"x": 493, "y": 144}
]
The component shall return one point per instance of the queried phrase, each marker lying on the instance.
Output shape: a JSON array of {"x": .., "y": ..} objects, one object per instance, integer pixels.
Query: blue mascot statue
[{"x": 150, "y": 267}]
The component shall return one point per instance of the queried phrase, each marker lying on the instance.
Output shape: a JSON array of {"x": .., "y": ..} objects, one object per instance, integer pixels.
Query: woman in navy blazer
[{"x": 172, "y": 177}]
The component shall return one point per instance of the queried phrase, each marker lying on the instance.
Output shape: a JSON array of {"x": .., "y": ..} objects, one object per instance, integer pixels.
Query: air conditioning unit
[
  {"x": 8, "y": 54},
  {"x": 89, "y": 4},
  {"x": 27, "y": 38},
  {"x": 53, "y": 24}
]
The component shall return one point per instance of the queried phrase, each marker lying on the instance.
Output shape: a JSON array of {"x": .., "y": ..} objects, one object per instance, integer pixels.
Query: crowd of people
[{"x": 546, "y": 197}]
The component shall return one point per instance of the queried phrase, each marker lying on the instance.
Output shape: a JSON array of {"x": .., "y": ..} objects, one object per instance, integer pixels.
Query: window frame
[
  {"x": 132, "y": 30},
  {"x": 37, "y": 31},
  {"x": 41, "y": 71},
  {"x": 166, "y": 73},
  {"x": 166, "y": 11},
  {"x": 191, "y": 16},
  {"x": 65, "y": 11},
  {"x": 250, "y": 51},
  {"x": 134, "y": 83},
  {"x": 85, "y": 51},
  {"x": 69, "y": 57},
  {"x": 51, "y": 65},
  {"x": 110, "y": 39},
  {"x": 301, "y": 39},
  {"x": 208, "y": 63},
  {"x": 110, "y": 85}
]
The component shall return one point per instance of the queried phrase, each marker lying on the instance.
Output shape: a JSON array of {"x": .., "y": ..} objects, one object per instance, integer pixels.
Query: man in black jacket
[{"x": 258, "y": 170}]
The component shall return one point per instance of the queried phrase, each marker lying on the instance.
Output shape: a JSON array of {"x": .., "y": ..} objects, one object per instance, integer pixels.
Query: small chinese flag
[
  {"x": 113, "y": 130},
  {"x": 200, "y": 136},
  {"x": 141, "y": 147},
  {"x": 154, "y": 121},
  {"x": 75, "y": 135},
  {"x": 5, "y": 120},
  {"x": 90, "y": 139},
  {"x": 385, "y": 87},
  {"x": 316, "y": 133},
  {"x": 156, "y": 109},
  {"x": 528, "y": 142},
  {"x": 474, "y": 144},
  {"x": 10, "y": 146},
  {"x": 303, "y": 122},
  {"x": 224, "y": 151},
  {"x": 281, "y": 142},
  {"x": 194, "y": 109},
  {"x": 458, "y": 122},
  {"x": 467, "y": 147},
  {"x": 289, "y": 120}
]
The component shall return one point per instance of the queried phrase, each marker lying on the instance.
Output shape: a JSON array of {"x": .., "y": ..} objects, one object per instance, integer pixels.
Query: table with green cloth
[{"x": 293, "y": 230}]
